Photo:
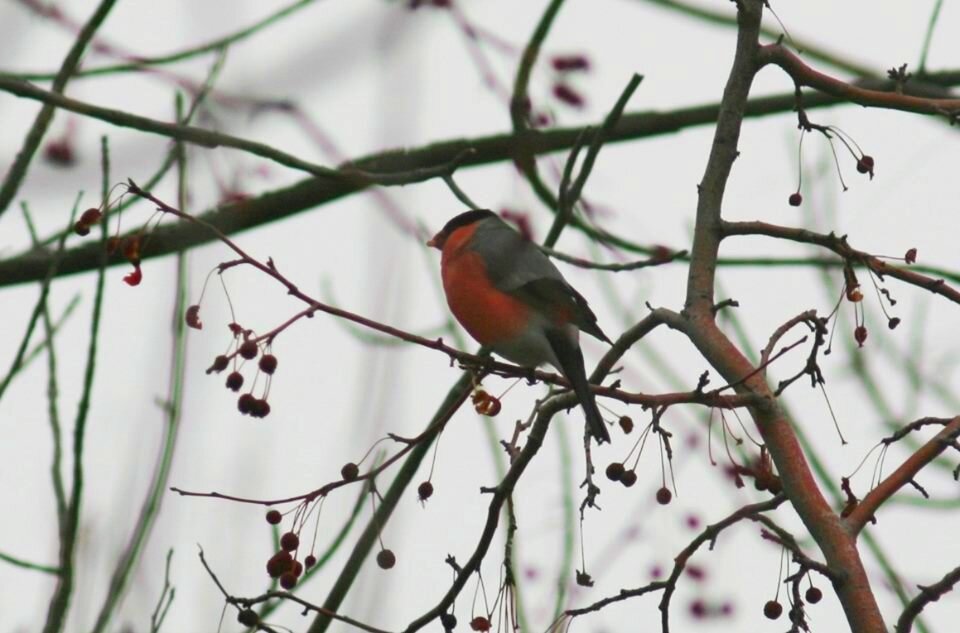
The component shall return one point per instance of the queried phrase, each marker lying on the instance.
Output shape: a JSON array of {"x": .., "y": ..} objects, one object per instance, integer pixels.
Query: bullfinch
[{"x": 509, "y": 296}]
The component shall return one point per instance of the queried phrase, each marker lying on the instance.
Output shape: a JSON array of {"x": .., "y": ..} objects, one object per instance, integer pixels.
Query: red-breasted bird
[{"x": 509, "y": 296}]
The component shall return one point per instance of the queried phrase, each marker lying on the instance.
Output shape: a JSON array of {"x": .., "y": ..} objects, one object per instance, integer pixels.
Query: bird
[{"x": 509, "y": 296}]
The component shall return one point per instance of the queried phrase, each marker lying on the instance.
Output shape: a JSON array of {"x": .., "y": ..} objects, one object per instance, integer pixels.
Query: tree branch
[
  {"x": 804, "y": 75},
  {"x": 841, "y": 247},
  {"x": 902, "y": 476}
]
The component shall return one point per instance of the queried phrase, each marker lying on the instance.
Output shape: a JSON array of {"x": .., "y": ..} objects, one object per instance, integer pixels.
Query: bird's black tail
[{"x": 571, "y": 365}]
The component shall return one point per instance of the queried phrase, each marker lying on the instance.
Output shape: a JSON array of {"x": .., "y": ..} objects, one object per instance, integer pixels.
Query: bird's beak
[{"x": 433, "y": 242}]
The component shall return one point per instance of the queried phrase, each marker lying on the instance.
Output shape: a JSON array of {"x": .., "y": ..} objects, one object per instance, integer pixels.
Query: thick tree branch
[
  {"x": 707, "y": 236},
  {"x": 697, "y": 321}
]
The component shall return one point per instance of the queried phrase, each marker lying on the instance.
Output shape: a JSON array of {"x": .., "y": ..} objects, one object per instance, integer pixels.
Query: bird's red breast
[{"x": 487, "y": 313}]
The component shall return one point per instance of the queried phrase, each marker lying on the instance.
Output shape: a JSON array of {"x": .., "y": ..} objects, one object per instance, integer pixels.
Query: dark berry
[
  {"x": 288, "y": 580},
  {"x": 425, "y": 490},
  {"x": 698, "y": 609},
  {"x": 309, "y": 561},
  {"x": 584, "y": 579},
  {"x": 628, "y": 478},
  {"x": 274, "y": 517},
  {"x": 386, "y": 559},
  {"x": 860, "y": 335},
  {"x": 626, "y": 423},
  {"x": 248, "y": 617},
  {"x": 81, "y": 229},
  {"x": 297, "y": 568},
  {"x": 289, "y": 541},
  {"x": 245, "y": 403},
  {"x": 219, "y": 364},
  {"x": 249, "y": 349},
  {"x": 813, "y": 595},
  {"x": 91, "y": 216},
  {"x": 772, "y": 609},
  {"x": 893, "y": 323},
  {"x": 566, "y": 63},
  {"x": 59, "y": 153},
  {"x": 449, "y": 621},
  {"x": 192, "y": 317},
  {"x": 234, "y": 381},
  {"x": 268, "y": 363},
  {"x": 279, "y": 563},
  {"x": 615, "y": 471},
  {"x": 696, "y": 572},
  {"x": 795, "y": 199},
  {"x": 260, "y": 408},
  {"x": 568, "y": 95},
  {"x": 865, "y": 164},
  {"x": 350, "y": 471},
  {"x": 664, "y": 496}
]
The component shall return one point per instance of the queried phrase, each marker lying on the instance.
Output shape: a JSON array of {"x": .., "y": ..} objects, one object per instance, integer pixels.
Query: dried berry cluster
[
  {"x": 247, "y": 347},
  {"x": 485, "y": 404},
  {"x": 128, "y": 247}
]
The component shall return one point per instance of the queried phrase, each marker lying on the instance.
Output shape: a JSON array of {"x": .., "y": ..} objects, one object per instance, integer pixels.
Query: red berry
[
  {"x": 350, "y": 471},
  {"x": 772, "y": 609},
  {"x": 629, "y": 478},
  {"x": 90, "y": 217},
  {"x": 260, "y": 408},
  {"x": 480, "y": 623},
  {"x": 234, "y": 381},
  {"x": 59, "y": 153},
  {"x": 249, "y": 349},
  {"x": 279, "y": 563},
  {"x": 698, "y": 609},
  {"x": 696, "y": 572},
  {"x": 568, "y": 95},
  {"x": 865, "y": 164},
  {"x": 795, "y": 199},
  {"x": 192, "y": 317},
  {"x": 566, "y": 63},
  {"x": 288, "y": 580},
  {"x": 219, "y": 364},
  {"x": 274, "y": 517},
  {"x": 860, "y": 335},
  {"x": 268, "y": 363},
  {"x": 297, "y": 568},
  {"x": 386, "y": 559},
  {"x": 664, "y": 496},
  {"x": 626, "y": 423},
  {"x": 615, "y": 471},
  {"x": 289, "y": 541},
  {"x": 425, "y": 490},
  {"x": 134, "y": 278},
  {"x": 813, "y": 595},
  {"x": 911, "y": 256},
  {"x": 245, "y": 403}
]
